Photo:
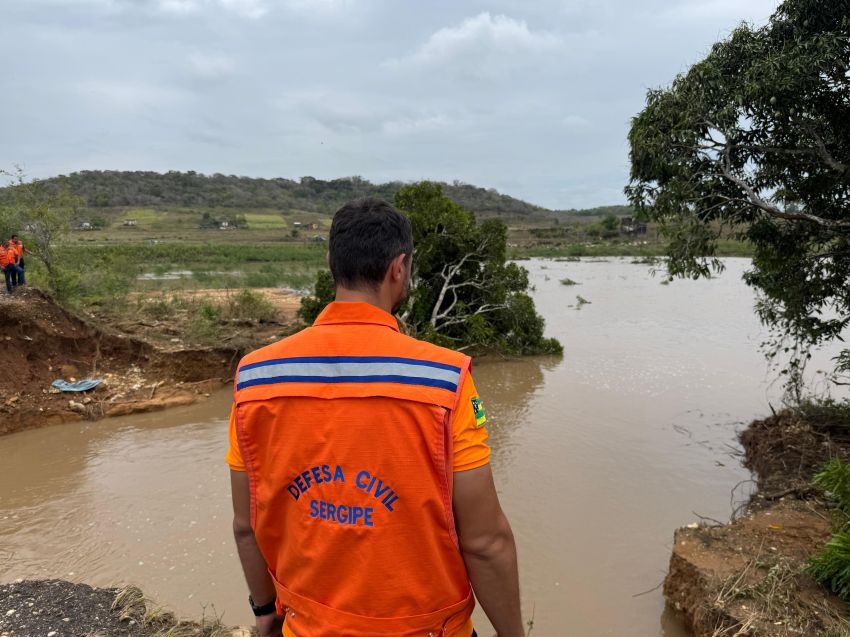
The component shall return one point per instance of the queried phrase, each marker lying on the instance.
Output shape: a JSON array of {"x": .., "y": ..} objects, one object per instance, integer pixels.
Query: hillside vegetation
[{"x": 111, "y": 189}]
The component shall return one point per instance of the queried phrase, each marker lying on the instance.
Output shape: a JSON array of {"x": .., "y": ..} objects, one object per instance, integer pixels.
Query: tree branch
[{"x": 754, "y": 199}]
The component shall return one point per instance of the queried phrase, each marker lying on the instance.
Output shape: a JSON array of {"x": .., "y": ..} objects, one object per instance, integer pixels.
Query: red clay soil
[{"x": 44, "y": 342}]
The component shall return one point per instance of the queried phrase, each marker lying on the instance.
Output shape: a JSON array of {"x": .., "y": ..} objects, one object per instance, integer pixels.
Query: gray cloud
[{"x": 531, "y": 98}]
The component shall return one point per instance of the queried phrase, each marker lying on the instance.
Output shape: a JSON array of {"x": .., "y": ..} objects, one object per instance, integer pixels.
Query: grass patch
[
  {"x": 766, "y": 597},
  {"x": 827, "y": 416},
  {"x": 132, "y": 605},
  {"x": 248, "y": 305},
  {"x": 144, "y": 217},
  {"x": 568, "y": 281},
  {"x": 105, "y": 274},
  {"x": 265, "y": 221},
  {"x": 831, "y": 566}
]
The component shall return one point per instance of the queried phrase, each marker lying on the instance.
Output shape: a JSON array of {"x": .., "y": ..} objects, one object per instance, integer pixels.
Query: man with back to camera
[{"x": 362, "y": 493}]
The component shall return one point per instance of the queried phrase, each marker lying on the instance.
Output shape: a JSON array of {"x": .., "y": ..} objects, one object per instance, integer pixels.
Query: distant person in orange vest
[
  {"x": 18, "y": 278},
  {"x": 9, "y": 264},
  {"x": 363, "y": 499}
]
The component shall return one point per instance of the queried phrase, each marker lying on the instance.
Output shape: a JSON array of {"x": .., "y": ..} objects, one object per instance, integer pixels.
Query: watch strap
[{"x": 265, "y": 609}]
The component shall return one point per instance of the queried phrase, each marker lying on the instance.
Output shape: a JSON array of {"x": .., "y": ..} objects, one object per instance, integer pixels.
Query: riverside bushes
[{"x": 831, "y": 567}]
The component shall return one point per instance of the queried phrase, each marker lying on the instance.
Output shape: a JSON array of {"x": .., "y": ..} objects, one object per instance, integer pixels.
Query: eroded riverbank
[
  {"x": 748, "y": 577},
  {"x": 143, "y": 366}
]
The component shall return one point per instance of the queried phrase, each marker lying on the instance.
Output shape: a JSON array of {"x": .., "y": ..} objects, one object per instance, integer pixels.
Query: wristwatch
[{"x": 265, "y": 609}]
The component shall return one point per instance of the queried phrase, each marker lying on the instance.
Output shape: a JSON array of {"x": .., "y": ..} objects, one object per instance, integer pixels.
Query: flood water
[{"x": 598, "y": 457}]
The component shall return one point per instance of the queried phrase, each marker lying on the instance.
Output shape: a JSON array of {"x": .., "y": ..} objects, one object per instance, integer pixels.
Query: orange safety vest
[
  {"x": 345, "y": 430},
  {"x": 8, "y": 256},
  {"x": 18, "y": 246}
]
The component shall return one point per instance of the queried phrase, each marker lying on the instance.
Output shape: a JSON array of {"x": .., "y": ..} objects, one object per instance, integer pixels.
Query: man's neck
[{"x": 372, "y": 297}]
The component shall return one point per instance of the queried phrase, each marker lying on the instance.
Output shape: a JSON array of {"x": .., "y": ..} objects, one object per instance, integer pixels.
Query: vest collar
[{"x": 338, "y": 313}]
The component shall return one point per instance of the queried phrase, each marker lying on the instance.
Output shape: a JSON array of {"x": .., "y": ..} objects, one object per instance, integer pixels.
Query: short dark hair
[{"x": 366, "y": 235}]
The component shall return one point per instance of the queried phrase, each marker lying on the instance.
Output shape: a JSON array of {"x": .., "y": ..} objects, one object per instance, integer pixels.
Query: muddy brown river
[{"x": 598, "y": 457}]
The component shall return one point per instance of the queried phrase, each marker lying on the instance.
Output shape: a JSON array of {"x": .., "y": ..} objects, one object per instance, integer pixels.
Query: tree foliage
[
  {"x": 464, "y": 293},
  {"x": 111, "y": 189},
  {"x": 756, "y": 138},
  {"x": 41, "y": 215}
]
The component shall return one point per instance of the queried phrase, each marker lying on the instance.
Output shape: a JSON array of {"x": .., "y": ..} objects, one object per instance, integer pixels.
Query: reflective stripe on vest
[{"x": 349, "y": 369}]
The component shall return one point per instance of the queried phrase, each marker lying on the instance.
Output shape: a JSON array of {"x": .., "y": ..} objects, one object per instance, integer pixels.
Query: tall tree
[
  {"x": 755, "y": 140},
  {"x": 464, "y": 293}
]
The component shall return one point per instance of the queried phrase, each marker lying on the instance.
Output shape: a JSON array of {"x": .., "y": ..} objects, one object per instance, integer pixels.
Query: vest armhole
[
  {"x": 448, "y": 446},
  {"x": 241, "y": 438}
]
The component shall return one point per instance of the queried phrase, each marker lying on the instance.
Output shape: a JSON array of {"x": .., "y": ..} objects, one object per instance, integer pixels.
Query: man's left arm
[{"x": 253, "y": 563}]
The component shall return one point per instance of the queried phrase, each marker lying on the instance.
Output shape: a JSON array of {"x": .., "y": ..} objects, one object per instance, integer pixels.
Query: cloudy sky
[{"x": 530, "y": 97}]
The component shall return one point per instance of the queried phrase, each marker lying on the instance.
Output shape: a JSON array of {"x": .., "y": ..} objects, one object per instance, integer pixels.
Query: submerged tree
[
  {"x": 464, "y": 292},
  {"x": 755, "y": 141}
]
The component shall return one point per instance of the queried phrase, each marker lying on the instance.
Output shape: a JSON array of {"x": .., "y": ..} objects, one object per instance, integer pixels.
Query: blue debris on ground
[{"x": 81, "y": 385}]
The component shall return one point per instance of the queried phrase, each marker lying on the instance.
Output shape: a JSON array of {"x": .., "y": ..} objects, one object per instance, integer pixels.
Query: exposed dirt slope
[{"x": 43, "y": 342}]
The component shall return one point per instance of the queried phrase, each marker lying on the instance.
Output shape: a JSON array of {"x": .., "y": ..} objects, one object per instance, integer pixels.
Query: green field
[
  {"x": 179, "y": 248},
  {"x": 105, "y": 274},
  {"x": 265, "y": 221}
]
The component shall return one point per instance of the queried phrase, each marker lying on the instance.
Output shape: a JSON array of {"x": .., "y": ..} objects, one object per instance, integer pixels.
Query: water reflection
[{"x": 508, "y": 389}]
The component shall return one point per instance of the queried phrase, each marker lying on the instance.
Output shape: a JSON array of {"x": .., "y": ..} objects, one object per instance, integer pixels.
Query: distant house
[
  {"x": 85, "y": 225},
  {"x": 130, "y": 222},
  {"x": 224, "y": 225},
  {"x": 631, "y": 226},
  {"x": 296, "y": 224}
]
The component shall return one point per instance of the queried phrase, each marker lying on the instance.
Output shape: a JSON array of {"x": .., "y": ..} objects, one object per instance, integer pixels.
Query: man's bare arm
[
  {"x": 253, "y": 563},
  {"x": 488, "y": 548}
]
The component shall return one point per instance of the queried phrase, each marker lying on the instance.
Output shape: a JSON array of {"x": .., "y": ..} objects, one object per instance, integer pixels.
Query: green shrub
[
  {"x": 205, "y": 324},
  {"x": 827, "y": 416},
  {"x": 835, "y": 479},
  {"x": 324, "y": 292},
  {"x": 251, "y": 305},
  {"x": 831, "y": 566}
]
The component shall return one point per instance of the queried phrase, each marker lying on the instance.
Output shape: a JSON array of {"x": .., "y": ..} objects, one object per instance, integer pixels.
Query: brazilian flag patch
[{"x": 478, "y": 411}]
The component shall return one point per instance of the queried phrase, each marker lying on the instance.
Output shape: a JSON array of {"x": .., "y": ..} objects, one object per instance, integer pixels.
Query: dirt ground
[
  {"x": 747, "y": 578},
  {"x": 144, "y": 365}
]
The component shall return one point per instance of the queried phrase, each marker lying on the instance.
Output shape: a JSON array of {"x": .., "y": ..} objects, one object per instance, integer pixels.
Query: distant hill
[{"x": 112, "y": 189}]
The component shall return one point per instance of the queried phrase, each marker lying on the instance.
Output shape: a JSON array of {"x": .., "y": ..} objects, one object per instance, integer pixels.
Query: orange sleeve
[
  {"x": 234, "y": 456},
  {"x": 468, "y": 432}
]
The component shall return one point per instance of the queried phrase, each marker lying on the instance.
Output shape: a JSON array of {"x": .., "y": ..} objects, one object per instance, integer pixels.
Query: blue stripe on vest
[
  {"x": 405, "y": 380},
  {"x": 349, "y": 369}
]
